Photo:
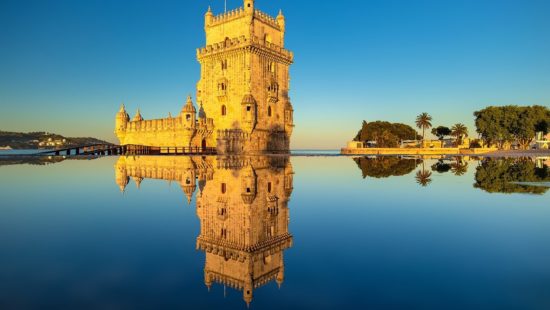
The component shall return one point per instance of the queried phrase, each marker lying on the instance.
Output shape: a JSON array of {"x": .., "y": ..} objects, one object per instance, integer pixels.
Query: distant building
[
  {"x": 242, "y": 94},
  {"x": 541, "y": 141}
]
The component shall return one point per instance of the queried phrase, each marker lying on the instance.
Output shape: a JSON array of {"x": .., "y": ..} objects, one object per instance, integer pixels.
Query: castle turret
[
  {"x": 121, "y": 176},
  {"x": 121, "y": 123},
  {"x": 138, "y": 117},
  {"x": 282, "y": 24},
  {"x": 189, "y": 114},
  {"x": 248, "y": 180},
  {"x": 289, "y": 118},
  {"x": 247, "y": 291},
  {"x": 208, "y": 17},
  {"x": 249, "y": 6},
  {"x": 188, "y": 181},
  {"x": 249, "y": 112}
]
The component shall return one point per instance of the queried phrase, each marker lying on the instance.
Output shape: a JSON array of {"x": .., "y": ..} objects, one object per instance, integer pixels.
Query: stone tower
[{"x": 244, "y": 81}]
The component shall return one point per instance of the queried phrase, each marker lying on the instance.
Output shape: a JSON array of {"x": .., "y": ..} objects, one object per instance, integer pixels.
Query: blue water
[
  {"x": 20, "y": 152},
  {"x": 361, "y": 239}
]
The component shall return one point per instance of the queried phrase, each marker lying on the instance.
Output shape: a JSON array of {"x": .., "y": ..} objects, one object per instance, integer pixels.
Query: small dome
[
  {"x": 138, "y": 117},
  {"x": 189, "y": 106},
  {"x": 202, "y": 113}
]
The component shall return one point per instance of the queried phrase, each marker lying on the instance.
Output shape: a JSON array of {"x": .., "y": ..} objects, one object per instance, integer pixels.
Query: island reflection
[
  {"x": 511, "y": 175},
  {"x": 492, "y": 175},
  {"x": 242, "y": 205}
]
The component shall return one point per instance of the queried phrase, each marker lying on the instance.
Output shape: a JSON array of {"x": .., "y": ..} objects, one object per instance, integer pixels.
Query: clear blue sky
[{"x": 65, "y": 66}]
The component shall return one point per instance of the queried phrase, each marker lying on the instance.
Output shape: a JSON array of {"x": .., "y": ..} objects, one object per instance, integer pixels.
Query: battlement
[
  {"x": 228, "y": 16},
  {"x": 267, "y": 19},
  {"x": 240, "y": 42},
  {"x": 240, "y": 13}
]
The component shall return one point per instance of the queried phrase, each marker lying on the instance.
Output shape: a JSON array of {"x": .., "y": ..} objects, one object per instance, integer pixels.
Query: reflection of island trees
[
  {"x": 503, "y": 176},
  {"x": 441, "y": 166},
  {"x": 423, "y": 177},
  {"x": 383, "y": 167},
  {"x": 458, "y": 166}
]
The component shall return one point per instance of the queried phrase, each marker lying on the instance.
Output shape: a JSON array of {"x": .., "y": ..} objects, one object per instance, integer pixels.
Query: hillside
[{"x": 42, "y": 140}]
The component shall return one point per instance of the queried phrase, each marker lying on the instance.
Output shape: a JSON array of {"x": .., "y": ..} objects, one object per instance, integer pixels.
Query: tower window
[
  {"x": 224, "y": 110},
  {"x": 188, "y": 117},
  {"x": 248, "y": 108},
  {"x": 224, "y": 64},
  {"x": 269, "y": 111},
  {"x": 269, "y": 187},
  {"x": 224, "y": 188}
]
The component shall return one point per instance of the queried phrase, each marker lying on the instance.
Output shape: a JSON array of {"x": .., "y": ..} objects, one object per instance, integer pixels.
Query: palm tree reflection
[{"x": 423, "y": 176}]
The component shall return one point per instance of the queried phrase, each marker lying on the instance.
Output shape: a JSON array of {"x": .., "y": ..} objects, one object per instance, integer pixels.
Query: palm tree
[
  {"x": 423, "y": 176},
  {"x": 424, "y": 121},
  {"x": 459, "y": 131},
  {"x": 459, "y": 167}
]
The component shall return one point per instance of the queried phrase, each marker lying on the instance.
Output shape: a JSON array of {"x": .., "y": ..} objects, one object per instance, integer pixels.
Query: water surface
[{"x": 275, "y": 232}]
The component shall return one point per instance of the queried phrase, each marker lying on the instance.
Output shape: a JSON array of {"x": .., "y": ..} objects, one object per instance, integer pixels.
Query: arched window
[
  {"x": 224, "y": 188},
  {"x": 269, "y": 111},
  {"x": 224, "y": 110},
  {"x": 224, "y": 64},
  {"x": 188, "y": 117},
  {"x": 269, "y": 187}
]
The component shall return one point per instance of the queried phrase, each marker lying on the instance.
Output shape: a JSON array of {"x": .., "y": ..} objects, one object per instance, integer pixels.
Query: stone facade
[
  {"x": 242, "y": 205},
  {"x": 242, "y": 91}
]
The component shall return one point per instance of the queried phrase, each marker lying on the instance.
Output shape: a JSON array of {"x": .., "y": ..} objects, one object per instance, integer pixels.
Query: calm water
[{"x": 280, "y": 233}]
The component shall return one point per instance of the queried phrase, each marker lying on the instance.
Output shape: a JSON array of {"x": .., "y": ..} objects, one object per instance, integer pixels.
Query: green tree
[
  {"x": 385, "y": 134},
  {"x": 386, "y": 166},
  {"x": 459, "y": 131},
  {"x": 424, "y": 121},
  {"x": 506, "y": 124},
  {"x": 441, "y": 132}
]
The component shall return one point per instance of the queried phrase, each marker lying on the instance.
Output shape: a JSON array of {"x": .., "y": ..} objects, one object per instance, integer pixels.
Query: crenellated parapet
[
  {"x": 228, "y": 16},
  {"x": 183, "y": 130},
  {"x": 267, "y": 19},
  {"x": 254, "y": 44},
  {"x": 243, "y": 91}
]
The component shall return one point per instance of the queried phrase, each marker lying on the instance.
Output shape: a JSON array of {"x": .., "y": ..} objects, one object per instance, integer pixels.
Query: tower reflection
[{"x": 242, "y": 205}]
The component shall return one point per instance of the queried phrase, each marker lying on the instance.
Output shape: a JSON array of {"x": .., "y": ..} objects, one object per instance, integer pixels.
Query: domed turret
[
  {"x": 189, "y": 106},
  {"x": 138, "y": 181},
  {"x": 249, "y": 6},
  {"x": 289, "y": 118},
  {"x": 248, "y": 181},
  {"x": 247, "y": 291},
  {"x": 121, "y": 176},
  {"x": 208, "y": 17},
  {"x": 188, "y": 182},
  {"x": 138, "y": 117},
  {"x": 202, "y": 113},
  {"x": 188, "y": 114},
  {"x": 121, "y": 122},
  {"x": 249, "y": 109},
  {"x": 281, "y": 20}
]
